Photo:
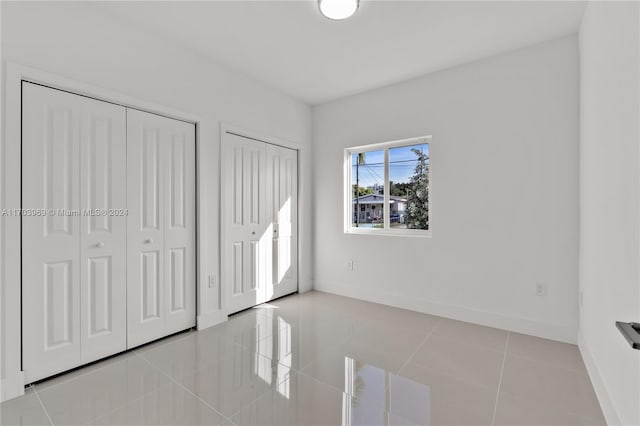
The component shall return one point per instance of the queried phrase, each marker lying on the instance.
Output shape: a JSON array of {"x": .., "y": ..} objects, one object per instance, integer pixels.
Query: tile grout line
[
  {"x": 98, "y": 365},
  {"x": 132, "y": 353},
  {"x": 128, "y": 402},
  {"x": 495, "y": 406},
  {"x": 413, "y": 354},
  {"x": 92, "y": 420},
  {"x": 548, "y": 364},
  {"x": 180, "y": 385},
  {"x": 42, "y": 405}
]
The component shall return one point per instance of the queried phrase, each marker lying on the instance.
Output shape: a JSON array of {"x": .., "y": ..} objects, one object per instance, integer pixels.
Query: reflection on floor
[{"x": 324, "y": 360}]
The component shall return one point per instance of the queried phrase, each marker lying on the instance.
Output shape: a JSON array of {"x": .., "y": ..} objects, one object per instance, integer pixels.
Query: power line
[
  {"x": 373, "y": 171},
  {"x": 375, "y": 179},
  {"x": 390, "y": 162}
]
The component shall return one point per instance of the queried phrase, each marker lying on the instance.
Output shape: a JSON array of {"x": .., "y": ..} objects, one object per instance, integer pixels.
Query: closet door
[
  {"x": 103, "y": 160},
  {"x": 282, "y": 215},
  {"x": 180, "y": 230},
  {"x": 246, "y": 233},
  {"x": 145, "y": 233},
  {"x": 51, "y": 242},
  {"x": 260, "y": 221},
  {"x": 73, "y": 294},
  {"x": 160, "y": 226}
]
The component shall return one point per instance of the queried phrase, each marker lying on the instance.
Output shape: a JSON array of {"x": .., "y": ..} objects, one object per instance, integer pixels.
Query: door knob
[
  {"x": 100, "y": 245},
  {"x": 148, "y": 241},
  {"x": 253, "y": 233}
]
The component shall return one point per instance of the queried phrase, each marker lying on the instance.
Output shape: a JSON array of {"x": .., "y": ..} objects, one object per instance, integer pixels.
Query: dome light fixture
[{"x": 338, "y": 9}]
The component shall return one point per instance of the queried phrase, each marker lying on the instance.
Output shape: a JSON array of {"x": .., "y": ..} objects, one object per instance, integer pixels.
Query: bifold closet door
[
  {"x": 246, "y": 236},
  {"x": 73, "y": 266},
  {"x": 260, "y": 205},
  {"x": 282, "y": 217},
  {"x": 161, "y": 226}
]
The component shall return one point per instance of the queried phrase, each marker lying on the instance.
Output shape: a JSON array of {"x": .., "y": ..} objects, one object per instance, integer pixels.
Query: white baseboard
[
  {"x": 489, "y": 319},
  {"x": 210, "y": 319},
  {"x": 12, "y": 386},
  {"x": 609, "y": 411}
]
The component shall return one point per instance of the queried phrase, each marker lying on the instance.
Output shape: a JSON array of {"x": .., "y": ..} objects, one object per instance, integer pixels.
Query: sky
[{"x": 402, "y": 163}]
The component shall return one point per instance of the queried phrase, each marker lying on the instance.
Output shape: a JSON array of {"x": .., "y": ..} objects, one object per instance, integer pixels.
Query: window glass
[
  {"x": 409, "y": 187},
  {"x": 367, "y": 189}
]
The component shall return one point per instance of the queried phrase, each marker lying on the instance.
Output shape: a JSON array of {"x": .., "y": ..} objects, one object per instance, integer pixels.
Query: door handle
[
  {"x": 253, "y": 232},
  {"x": 100, "y": 245},
  {"x": 631, "y": 332},
  {"x": 148, "y": 241}
]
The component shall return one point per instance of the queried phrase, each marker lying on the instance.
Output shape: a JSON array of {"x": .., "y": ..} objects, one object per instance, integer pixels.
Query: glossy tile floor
[{"x": 320, "y": 359}]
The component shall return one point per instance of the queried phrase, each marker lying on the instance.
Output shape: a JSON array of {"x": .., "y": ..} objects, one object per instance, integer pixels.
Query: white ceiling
[{"x": 290, "y": 46}]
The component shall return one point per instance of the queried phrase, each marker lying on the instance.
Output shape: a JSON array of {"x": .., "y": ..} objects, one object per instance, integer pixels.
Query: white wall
[
  {"x": 78, "y": 41},
  {"x": 610, "y": 203},
  {"x": 504, "y": 193}
]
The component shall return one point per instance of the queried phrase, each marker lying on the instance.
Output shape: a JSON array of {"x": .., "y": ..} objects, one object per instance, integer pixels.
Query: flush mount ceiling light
[{"x": 338, "y": 9}]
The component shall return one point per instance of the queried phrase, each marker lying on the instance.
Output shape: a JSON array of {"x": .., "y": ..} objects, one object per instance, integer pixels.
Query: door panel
[
  {"x": 150, "y": 179},
  {"x": 236, "y": 195},
  {"x": 103, "y": 223},
  {"x": 145, "y": 239},
  {"x": 254, "y": 230},
  {"x": 151, "y": 286},
  {"x": 254, "y": 265},
  {"x": 178, "y": 280},
  {"x": 50, "y": 241},
  {"x": 177, "y": 206},
  {"x": 237, "y": 277},
  {"x": 58, "y": 307},
  {"x": 255, "y": 191},
  {"x": 243, "y": 221},
  {"x": 282, "y": 214},
  {"x": 100, "y": 287},
  {"x": 180, "y": 229},
  {"x": 161, "y": 226}
]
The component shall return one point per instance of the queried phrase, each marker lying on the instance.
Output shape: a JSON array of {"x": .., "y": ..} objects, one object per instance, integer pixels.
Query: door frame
[
  {"x": 12, "y": 383},
  {"x": 228, "y": 128}
]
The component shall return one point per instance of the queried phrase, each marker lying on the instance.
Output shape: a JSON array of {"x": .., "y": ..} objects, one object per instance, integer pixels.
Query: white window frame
[{"x": 348, "y": 201}]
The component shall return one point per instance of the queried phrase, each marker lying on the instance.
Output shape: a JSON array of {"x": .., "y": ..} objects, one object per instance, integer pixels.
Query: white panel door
[
  {"x": 282, "y": 217},
  {"x": 180, "y": 226},
  {"x": 145, "y": 233},
  {"x": 103, "y": 150},
  {"x": 64, "y": 283},
  {"x": 245, "y": 232},
  {"x": 160, "y": 226},
  {"x": 50, "y": 243}
]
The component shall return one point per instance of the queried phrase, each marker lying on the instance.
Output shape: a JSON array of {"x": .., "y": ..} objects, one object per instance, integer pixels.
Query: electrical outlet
[
  {"x": 212, "y": 281},
  {"x": 350, "y": 265},
  {"x": 540, "y": 289}
]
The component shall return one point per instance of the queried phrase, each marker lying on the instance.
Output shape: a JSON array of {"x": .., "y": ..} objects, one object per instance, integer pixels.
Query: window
[{"x": 387, "y": 188}]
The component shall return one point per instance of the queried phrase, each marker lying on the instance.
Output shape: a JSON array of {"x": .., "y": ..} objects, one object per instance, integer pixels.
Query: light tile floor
[{"x": 319, "y": 359}]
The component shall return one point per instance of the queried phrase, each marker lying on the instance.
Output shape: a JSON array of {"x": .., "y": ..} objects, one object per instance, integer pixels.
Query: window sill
[{"x": 390, "y": 232}]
